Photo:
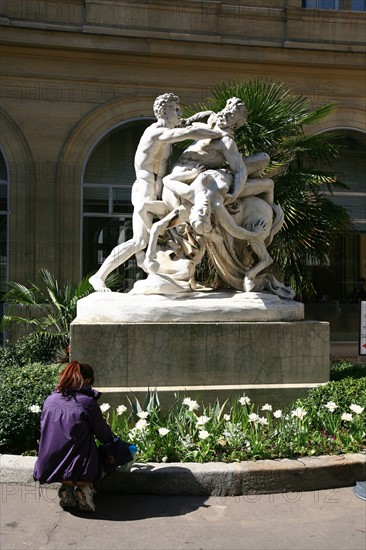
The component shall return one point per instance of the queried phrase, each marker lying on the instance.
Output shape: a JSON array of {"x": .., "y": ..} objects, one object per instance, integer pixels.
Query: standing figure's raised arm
[{"x": 197, "y": 131}]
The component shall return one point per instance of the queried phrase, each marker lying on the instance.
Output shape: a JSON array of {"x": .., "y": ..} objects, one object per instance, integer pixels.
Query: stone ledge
[
  {"x": 217, "y": 478},
  {"x": 278, "y": 395},
  {"x": 225, "y": 306}
]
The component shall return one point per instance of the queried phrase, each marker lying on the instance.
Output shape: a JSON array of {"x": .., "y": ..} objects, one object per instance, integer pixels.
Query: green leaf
[{"x": 301, "y": 163}]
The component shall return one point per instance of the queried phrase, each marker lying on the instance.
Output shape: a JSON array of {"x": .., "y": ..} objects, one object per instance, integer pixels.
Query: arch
[
  {"x": 351, "y": 170},
  {"x": 341, "y": 118},
  {"x": 348, "y": 258},
  {"x": 107, "y": 180},
  {"x": 349, "y": 122},
  {"x": 98, "y": 123},
  {"x": 72, "y": 161},
  {"x": 21, "y": 174}
]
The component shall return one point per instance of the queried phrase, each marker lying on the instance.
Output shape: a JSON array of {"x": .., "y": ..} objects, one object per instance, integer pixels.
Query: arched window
[
  {"x": 351, "y": 170},
  {"x": 107, "y": 210},
  {"x": 335, "y": 286},
  {"x": 4, "y": 231},
  {"x": 349, "y": 259}
]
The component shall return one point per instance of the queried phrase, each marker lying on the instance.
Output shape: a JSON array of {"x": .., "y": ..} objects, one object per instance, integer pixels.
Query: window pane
[
  {"x": 3, "y": 169},
  {"x": 112, "y": 161},
  {"x": 356, "y": 206},
  {"x": 100, "y": 236},
  {"x": 122, "y": 201},
  {"x": 358, "y": 5},
  {"x": 321, "y": 4},
  {"x": 354, "y": 5},
  {"x": 3, "y": 250},
  {"x": 350, "y": 168},
  {"x": 3, "y": 197},
  {"x": 96, "y": 200}
]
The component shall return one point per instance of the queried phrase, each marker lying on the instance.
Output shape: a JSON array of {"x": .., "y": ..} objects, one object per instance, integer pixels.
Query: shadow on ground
[{"x": 117, "y": 507}]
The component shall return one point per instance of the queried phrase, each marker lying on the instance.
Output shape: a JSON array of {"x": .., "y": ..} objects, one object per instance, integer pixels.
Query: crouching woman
[{"x": 70, "y": 420}]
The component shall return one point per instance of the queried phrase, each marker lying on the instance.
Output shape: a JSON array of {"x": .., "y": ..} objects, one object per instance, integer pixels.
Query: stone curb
[{"x": 217, "y": 478}]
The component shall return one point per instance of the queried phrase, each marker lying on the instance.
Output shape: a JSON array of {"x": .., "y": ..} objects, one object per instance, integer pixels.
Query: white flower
[
  {"x": 278, "y": 413},
  {"x": 164, "y": 459},
  {"x": 187, "y": 441},
  {"x": 267, "y": 407},
  {"x": 202, "y": 420},
  {"x": 244, "y": 400},
  {"x": 299, "y": 413},
  {"x": 331, "y": 406},
  {"x": 263, "y": 420},
  {"x": 347, "y": 417},
  {"x": 253, "y": 417},
  {"x": 163, "y": 431},
  {"x": 203, "y": 434},
  {"x": 226, "y": 417},
  {"x": 191, "y": 404},
  {"x": 132, "y": 434},
  {"x": 105, "y": 407},
  {"x": 121, "y": 409},
  {"x": 35, "y": 409},
  {"x": 357, "y": 409},
  {"x": 141, "y": 425},
  {"x": 143, "y": 414}
]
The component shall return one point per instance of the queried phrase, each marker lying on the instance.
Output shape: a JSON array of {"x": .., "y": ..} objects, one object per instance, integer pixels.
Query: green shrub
[
  {"x": 342, "y": 392},
  {"x": 32, "y": 348},
  {"x": 346, "y": 369},
  {"x": 20, "y": 388},
  {"x": 9, "y": 356}
]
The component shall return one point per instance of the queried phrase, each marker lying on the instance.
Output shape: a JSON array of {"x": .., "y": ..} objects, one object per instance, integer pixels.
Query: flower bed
[
  {"x": 238, "y": 430},
  {"x": 331, "y": 420}
]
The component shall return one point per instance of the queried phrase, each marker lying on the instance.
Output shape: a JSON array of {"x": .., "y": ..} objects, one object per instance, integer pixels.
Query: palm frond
[
  {"x": 48, "y": 311},
  {"x": 318, "y": 114},
  {"x": 276, "y": 120}
]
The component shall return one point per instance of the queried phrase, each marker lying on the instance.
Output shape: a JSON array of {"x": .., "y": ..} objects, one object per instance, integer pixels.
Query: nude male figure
[
  {"x": 151, "y": 163},
  {"x": 214, "y": 154},
  {"x": 199, "y": 186}
]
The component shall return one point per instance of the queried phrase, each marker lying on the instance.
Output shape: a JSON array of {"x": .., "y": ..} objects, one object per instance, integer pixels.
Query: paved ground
[{"x": 330, "y": 519}]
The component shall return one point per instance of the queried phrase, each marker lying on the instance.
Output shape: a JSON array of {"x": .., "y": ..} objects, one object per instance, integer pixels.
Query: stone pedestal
[{"x": 217, "y": 344}]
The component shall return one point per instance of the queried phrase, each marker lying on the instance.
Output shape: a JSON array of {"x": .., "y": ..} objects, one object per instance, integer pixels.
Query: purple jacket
[{"x": 67, "y": 450}]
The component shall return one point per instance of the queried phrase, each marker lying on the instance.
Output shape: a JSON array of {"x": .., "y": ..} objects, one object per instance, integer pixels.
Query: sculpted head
[
  {"x": 166, "y": 107},
  {"x": 200, "y": 214},
  {"x": 233, "y": 115}
]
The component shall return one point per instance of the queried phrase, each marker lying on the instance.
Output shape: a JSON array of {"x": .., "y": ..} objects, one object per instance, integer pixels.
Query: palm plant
[
  {"x": 276, "y": 121},
  {"x": 47, "y": 311}
]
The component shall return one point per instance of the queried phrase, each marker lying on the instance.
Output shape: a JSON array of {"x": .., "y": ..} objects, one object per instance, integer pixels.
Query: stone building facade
[{"x": 78, "y": 81}]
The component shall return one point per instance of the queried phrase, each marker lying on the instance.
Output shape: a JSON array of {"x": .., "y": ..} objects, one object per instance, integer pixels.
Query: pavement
[
  {"x": 332, "y": 519},
  {"x": 242, "y": 506}
]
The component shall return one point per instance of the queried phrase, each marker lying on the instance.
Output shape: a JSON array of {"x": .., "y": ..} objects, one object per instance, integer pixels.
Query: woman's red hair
[{"x": 74, "y": 376}]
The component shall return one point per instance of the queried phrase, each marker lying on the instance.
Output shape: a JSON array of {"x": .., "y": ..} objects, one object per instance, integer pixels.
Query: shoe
[
  {"x": 84, "y": 498},
  {"x": 67, "y": 496}
]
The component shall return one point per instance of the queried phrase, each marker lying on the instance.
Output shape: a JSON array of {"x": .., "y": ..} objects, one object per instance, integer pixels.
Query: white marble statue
[
  {"x": 213, "y": 200},
  {"x": 214, "y": 195},
  {"x": 151, "y": 161}
]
